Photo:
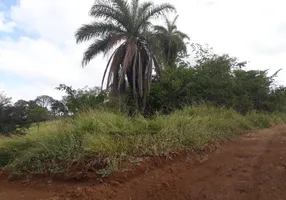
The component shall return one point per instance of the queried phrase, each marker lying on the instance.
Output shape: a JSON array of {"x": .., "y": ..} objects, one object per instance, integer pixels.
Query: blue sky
[
  {"x": 5, "y": 9},
  {"x": 7, "y": 3},
  {"x": 10, "y": 78},
  {"x": 38, "y": 51}
]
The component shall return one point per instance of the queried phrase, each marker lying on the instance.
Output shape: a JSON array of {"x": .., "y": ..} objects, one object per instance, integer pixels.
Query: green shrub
[{"x": 109, "y": 138}]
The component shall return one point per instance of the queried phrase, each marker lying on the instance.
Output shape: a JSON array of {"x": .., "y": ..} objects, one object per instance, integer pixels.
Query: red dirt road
[{"x": 252, "y": 167}]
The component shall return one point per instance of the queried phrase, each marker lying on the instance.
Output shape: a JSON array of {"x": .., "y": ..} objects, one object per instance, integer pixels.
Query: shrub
[{"x": 110, "y": 138}]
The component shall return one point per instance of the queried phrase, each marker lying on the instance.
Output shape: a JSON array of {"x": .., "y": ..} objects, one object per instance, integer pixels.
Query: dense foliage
[
  {"x": 219, "y": 80},
  {"x": 18, "y": 117}
]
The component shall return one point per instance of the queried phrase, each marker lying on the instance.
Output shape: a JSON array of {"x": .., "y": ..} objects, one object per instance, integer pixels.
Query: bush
[{"x": 110, "y": 138}]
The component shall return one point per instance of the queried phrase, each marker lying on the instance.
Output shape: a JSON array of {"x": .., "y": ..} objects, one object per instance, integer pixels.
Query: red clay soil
[{"x": 252, "y": 167}]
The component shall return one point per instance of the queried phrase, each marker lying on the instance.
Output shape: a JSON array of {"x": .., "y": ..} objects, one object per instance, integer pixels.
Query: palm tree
[
  {"x": 171, "y": 41},
  {"x": 125, "y": 29}
]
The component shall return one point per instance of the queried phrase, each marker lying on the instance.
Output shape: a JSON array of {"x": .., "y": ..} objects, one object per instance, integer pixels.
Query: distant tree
[
  {"x": 58, "y": 108},
  {"x": 21, "y": 113},
  {"x": 277, "y": 99},
  {"x": 253, "y": 91},
  {"x": 170, "y": 41},
  {"x": 37, "y": 114},
  {"x": 5, "y": 113},
  {"x": 80, "y": 99},
  {"x": 13, "y": 118},
  {"x": 44, "y": 101},
  {"x": 4, "y": 100}
]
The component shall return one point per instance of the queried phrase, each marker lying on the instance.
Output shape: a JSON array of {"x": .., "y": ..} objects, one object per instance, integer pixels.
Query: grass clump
[{"x": 110, "y": 138}]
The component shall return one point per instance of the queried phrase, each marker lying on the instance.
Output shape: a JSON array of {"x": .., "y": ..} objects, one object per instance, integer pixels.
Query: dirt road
[{"x": 252, "y": 167}]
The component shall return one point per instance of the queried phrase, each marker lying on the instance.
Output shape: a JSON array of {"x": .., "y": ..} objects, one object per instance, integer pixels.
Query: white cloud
[
  {"x": 55, "y": 21},
  {"x": 251, "y": 30},
  {"x": 4, "y": 25}
]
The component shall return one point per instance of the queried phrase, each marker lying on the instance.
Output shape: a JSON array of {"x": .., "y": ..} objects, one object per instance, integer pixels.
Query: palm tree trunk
[
  {"x": 135, "y": 97},
  {"x": 169, "y": 54}
]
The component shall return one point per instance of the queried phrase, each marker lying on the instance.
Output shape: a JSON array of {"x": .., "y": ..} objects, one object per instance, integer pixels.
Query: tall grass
[{"x": 109, "y": 138}]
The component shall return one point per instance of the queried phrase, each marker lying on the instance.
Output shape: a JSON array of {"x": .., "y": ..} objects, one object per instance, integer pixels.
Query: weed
[
  {"x": 110, "y": 138},
  {"x": 105, "y": 172}
]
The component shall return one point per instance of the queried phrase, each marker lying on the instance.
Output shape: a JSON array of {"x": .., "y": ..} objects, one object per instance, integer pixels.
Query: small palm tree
[
  {"x": 171, "y": 41},
  {"x": 125, "y": 29}
]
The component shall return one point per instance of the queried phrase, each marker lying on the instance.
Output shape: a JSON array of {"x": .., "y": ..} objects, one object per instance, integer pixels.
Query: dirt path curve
[{"x": 252, "y": 167}]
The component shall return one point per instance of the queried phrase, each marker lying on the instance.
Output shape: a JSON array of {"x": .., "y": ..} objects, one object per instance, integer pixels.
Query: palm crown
[
  {"x": 171, "y": 41},
  {"x": 127, "y": 27}
]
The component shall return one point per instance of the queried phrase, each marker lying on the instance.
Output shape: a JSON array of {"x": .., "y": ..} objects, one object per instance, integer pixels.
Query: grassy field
[
  {"x": 110, "y": 138},
  {"x": 44, "y": 127}
]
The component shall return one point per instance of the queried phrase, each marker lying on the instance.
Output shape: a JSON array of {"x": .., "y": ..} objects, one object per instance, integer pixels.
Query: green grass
[
  {"x": 107, "y": 139},
  {"x": 44, "y": 126}
]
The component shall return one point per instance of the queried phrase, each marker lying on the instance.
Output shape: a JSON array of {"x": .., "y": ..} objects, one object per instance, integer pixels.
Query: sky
[{"x": 38, "y": 50}]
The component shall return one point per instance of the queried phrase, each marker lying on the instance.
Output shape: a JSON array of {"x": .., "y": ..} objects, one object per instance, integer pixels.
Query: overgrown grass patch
[{"x": 111, "y": 138}]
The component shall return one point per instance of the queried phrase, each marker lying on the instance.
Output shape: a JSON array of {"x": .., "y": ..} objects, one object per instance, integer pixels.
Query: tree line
[{"x": 148, "y": 71}]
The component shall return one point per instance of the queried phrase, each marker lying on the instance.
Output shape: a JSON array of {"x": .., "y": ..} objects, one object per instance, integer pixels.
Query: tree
[
  {"x": 58, "y": 108},
  {"x": 13, "y": 118},
  {"x": 44, "y": 101},
  {"x": 21, "y": 113},
  {"x": 253, "y": 91},
  {"x": 277, "y": 99},
  {"x": 174, "y": 91},
  {"x": 37, "y": 114},
  {"x": 80, "y": 99},
  {"x": 171, "y": 41},
  {"x": 126, "y": 27},
  {"x": 4, "y": 100},
  {"x": 5, "y": 104},
  {"x": 219, "y": 80}
]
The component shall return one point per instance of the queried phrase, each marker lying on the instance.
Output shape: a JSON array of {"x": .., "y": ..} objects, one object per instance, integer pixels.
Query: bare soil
[{"x": 252, "y": 167}]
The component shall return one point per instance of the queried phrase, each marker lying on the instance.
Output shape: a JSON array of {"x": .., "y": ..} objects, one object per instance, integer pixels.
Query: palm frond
[
  {"x": 124, "y": 9},
  {"x": 159, "y": 10},
  {"x": 97, "y": 29},
  {"x": 114, "y": 40},
  {"x": 140, "y": 75},
  {"x": 171, "y": 25},
  {"x": 122, "y": 5},
  {"x": 103, "y": 9},
  {"x": 168, "y": 24},
  {"x": 144, "y": 7},
  {"x": 128, "y": 57},
  {"x": 106, "y": 68},
  {"x": 99, "y": 46},
  {"x": 134, "y": 7},
  {"x": 156, "y": 64},
  {"x": 116, "y": 65},
  {"x": 148, "y": 80},
  {"x": 175, "y": 20},
  {"x": 155, "y": 11},
  {"x": 160, "y": 30},
  {"x": 181, "y": 35},
  {"x": 108, "y": 11}
]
